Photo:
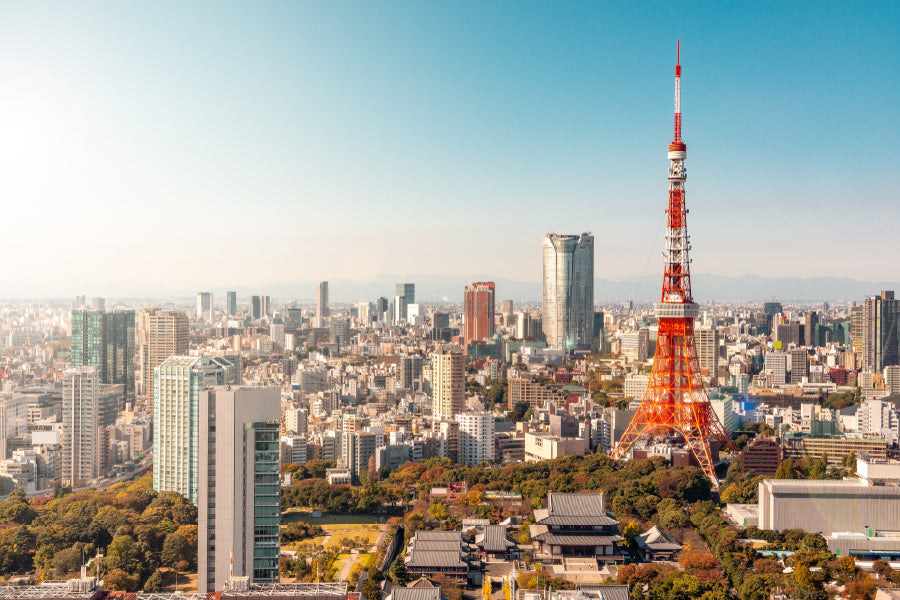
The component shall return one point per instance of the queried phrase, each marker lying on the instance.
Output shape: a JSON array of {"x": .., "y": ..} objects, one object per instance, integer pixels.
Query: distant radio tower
[{"x": 676, "y": 402}]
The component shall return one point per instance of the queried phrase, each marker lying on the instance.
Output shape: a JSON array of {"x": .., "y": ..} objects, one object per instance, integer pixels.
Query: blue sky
[{"x": 212, "y": 144}]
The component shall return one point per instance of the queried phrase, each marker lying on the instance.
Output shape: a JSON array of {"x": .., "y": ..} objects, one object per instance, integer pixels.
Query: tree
[
  {"x": 372, "y": 474},
  {"x": 882, "y": 569},
  {"x": 397, "y": 572},
  {"x": 785, "y": 469},
  {"x": 437, "y": 510},
  {"x": 631, "y": 531},
  {"x": 120, "y": 581},
  {"x": 175, "y": 550},
  {"x": 801, "y": 576},
  {"x": 122, "y": 553},
  {"x": 486, "y": 589},
  {"x": 154, "y": 583},
  {"x": 371, "y": 590}
]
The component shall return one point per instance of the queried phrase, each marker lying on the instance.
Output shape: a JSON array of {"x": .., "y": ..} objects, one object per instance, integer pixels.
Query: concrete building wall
[
  {"x": 231, "y": 486},
  {"x": 827, "y": 506}
]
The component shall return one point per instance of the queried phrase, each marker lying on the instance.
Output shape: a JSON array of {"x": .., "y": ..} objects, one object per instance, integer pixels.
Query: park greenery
[
  {"x": 136, "y": 529},
  {"x": 139, "y": 531}
]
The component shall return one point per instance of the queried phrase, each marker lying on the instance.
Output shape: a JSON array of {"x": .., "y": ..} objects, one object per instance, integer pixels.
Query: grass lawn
[
  {"x": 328, "y": 519},
  {"x": 366, "y": 560},
  {"x": 365, "y": 534},
  {"x": 187, "y": 582}
]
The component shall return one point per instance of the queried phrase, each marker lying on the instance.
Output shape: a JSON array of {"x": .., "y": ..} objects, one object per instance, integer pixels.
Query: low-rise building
[
  {"x": 655, "y": 544},
  {"x": 433, "y": 553},
  {"x": 494, "y": 542},
  {"x": 338, "y": 476},
  {"x": 543, "y": 446},
  {"x": 575, "y": 526}
]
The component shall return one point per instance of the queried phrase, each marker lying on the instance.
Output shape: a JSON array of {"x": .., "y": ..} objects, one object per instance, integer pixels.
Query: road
[{"x": 106, "y": 482}]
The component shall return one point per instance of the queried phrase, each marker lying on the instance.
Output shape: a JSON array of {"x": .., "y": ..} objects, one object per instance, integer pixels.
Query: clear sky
[{"x": 204, "y": 144}]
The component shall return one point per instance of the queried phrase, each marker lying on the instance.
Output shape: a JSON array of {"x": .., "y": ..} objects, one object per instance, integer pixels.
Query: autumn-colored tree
[
  {"x": 631, "y": 531},
  {"x": 437, "y": 510},
  {"x": 118, "y": 580}
]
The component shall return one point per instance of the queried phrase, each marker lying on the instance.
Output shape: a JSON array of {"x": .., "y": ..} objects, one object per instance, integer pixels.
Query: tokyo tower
[{"x": 676, "y": 403}]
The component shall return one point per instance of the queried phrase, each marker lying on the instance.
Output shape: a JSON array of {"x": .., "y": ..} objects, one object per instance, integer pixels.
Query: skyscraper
[
  {"x": 408, "y": 291},
  {"x": 364, "y": 312},
  {"x": 239, "y": 466},
  {"x": 568, "y": 282},
  {"x": 772, "y": 309},
  {"x": 448, "y": 385},
  {"x": 177, "y": 421},
  {"x": 88, "y": 405},
  {"x": 707, "y": 340},
  {"x": 857, "y": 326},
  {"x": 230, "y": 304},
  {"x": 881, "y": 338},
  {"x": 162, "y": 333},
  {"x": 322, "y": 301},
  {"x": 106, "y": 340},
  {"x": 81, "y": 425},
  {"x": 479, "y": 311},
  {"x": 205, "y": 306},
  {"x": 799, "y": 365},
  {"x": 259, "y": 307},
  {"x": 400, "y": 305}
]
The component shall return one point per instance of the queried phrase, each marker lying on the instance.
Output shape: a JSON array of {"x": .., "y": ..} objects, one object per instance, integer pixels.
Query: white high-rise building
[
  {"x": 448, "y": 384},
  {"x": 707, "y": 349},
  {"x": 81, "y": 425},
  {"x": 293, "y": 449},
  {"x": 777, "y": 364},
  {"x": 177, "y": 418},
  {"x": 724, "y": 409},
  {"x": 568, "y": 284},
  {"x": 276, "y": 332},
  {"x": 636, "y": 386},
  {"x": 635, "y": 345},
  {"x": 295, "y": 420},
  {"x": 892, "y": 379},
  {"x": 364, "y": 314},
  {"x": 238, "y": 514},
  {"x": 476, "y": 438}
]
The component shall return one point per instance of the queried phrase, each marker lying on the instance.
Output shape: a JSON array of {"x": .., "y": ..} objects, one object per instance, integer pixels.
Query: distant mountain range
[
  {"x": 706, "y": 287},
  {"x": 436, "y": 288}
]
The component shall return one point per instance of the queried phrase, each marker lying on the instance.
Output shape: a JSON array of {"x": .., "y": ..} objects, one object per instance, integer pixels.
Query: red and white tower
[{"x": 676, "y": 403}]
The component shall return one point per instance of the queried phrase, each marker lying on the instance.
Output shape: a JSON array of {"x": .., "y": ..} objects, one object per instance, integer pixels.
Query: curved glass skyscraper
[{"x": 569, "y": 291}]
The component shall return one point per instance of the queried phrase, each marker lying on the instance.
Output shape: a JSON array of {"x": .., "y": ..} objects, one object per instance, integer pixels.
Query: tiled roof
[
  {"x": 575, "y": 505},
  {"x": 607, "y": 592},
  {"x": 579, "y": 539},
  {"x": 581, "y": 520},
  {"x": 416, "y": 593},
  {"x": 436, "y": 549},
  {"x": 435, "y": 559},
  {"x": 657, "y": 540},
  {"x": 494, "y": 539}
]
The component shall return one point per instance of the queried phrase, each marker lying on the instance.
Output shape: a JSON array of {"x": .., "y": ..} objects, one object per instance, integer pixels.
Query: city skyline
[{"x": 392, "y": 125}]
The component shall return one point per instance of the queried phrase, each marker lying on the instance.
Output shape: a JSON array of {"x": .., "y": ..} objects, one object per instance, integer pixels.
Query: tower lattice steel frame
[{"x": 676, "y": 402}]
